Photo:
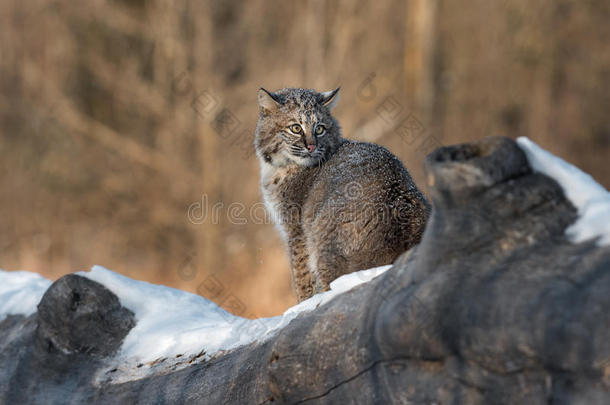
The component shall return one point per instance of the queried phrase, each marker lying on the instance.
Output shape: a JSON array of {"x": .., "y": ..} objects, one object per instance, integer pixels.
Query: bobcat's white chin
[{"x": 308, "y": 161}]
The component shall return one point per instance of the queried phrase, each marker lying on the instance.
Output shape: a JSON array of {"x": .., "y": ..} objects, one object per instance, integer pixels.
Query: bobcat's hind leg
[{"x": 329, "y": 265}]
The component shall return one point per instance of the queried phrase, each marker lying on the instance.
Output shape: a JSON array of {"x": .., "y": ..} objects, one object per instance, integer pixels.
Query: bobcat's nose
[{"x": 311, "y": 148}]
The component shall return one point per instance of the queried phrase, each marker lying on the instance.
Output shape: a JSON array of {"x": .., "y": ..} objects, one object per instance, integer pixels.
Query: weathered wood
[{"x": 495, "y": 306}]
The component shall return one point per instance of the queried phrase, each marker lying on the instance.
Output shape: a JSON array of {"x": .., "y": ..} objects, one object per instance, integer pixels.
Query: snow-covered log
[{"x": 505, "y": 301}]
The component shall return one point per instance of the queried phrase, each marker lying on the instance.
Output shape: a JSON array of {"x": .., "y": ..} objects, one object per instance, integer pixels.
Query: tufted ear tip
[
  {"x": 267, "y": 100},
  {"x": 330, "y": 98}
]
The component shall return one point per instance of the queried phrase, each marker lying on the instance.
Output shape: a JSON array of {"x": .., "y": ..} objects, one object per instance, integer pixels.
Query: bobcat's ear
[
  {"x": 268, "y": 101},
  {"x": 330, "y": 98}
]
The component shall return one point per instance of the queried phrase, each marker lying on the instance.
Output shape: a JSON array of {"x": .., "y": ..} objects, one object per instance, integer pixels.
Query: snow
[
  {"x": 172, "y": 322},
  {"x": 173, "y": 327},
  {"x": 20, "y": 292},
  {"x": 590, "y": 199},
  {"x": 169, "y": 321},
  {"x": 338, "y": 286}
]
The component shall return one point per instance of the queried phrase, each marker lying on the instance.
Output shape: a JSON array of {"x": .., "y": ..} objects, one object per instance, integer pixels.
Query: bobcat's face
[{"x": 295, "y": 127}]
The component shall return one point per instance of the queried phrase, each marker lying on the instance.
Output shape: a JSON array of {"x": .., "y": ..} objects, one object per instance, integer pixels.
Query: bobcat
[{"x": 339, "y": 205}]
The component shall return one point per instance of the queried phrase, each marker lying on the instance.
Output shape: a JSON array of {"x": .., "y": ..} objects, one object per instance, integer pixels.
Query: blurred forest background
[{"x": 122, "y": 121}]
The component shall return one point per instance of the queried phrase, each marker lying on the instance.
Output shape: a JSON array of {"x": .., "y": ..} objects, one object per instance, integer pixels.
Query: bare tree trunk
[{"x": 419, "y": 54}]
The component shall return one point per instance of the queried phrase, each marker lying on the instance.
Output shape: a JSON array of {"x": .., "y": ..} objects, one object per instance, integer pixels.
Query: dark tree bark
[{"x": 495, "y": 306}]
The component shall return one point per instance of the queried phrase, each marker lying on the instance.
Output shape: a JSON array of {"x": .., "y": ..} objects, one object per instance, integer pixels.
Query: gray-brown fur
[{"x": 340, "y": 205}]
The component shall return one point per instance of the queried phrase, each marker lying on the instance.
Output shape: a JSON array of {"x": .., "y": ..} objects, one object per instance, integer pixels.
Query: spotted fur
[{"x": 340, "y": 205}]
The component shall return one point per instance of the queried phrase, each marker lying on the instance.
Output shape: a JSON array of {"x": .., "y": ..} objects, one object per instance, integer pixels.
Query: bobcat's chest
[{"x": 281, "y": 196}]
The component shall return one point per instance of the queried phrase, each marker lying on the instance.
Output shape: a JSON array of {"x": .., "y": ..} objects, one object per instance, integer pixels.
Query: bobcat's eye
[
  {"x": 296, "y": 128},
  {"x": 320, "y": 129}
]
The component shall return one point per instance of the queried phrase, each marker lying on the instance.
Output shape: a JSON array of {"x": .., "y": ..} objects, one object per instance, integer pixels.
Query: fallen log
[{"x": 497, "y": 305}]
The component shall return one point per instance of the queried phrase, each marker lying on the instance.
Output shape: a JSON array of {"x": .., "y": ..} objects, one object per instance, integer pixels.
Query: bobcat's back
[{"x": 365, "y": 188}]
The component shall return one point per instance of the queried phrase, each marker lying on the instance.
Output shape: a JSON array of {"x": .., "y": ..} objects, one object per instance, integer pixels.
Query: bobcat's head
[{"x": 295, "y": 127}]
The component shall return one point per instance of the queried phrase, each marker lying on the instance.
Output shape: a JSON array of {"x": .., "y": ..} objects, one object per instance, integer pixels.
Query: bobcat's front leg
[{"x": 301, "y": 276}]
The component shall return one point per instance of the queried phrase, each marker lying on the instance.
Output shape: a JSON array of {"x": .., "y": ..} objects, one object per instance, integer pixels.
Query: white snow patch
[
  {"x": 349, "y": 281},
  {"x": 338, "y": 286},
  {"x": 174, "y": 326},
  {"x": 171, "y": 321},
  {"x": 590, "y": 199},
  {"x": 20, "y": 292}
]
